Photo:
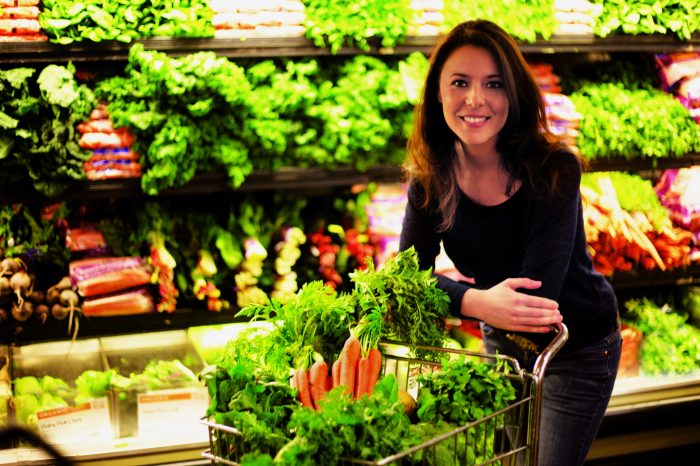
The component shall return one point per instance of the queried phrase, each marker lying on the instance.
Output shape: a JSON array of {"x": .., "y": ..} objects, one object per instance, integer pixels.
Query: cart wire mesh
[{"x": 505, "y": 437}]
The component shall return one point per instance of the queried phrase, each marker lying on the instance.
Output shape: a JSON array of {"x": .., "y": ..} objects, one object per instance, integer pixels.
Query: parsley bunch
[
  {"x": 412, "y": 308},
  {"x": 463, "y": 391}
]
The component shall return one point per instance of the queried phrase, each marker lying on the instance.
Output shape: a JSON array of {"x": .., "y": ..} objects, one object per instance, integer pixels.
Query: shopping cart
[{"x": 508, "y": 436}]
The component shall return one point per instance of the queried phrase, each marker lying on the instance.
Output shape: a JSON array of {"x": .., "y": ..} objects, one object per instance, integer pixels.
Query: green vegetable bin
[{"x": 54, "y": 391}]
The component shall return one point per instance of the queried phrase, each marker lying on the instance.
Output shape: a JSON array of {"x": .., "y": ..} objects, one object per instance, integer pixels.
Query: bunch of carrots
[
  {"x": 356, "y": 369},
  {"x": 619, "y": 240}
]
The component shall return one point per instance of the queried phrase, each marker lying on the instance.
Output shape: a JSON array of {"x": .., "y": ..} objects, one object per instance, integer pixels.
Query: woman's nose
[{"x": 474, "y": 97}]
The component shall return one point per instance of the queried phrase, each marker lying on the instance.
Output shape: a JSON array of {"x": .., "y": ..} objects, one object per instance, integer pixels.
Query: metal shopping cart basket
[{"x": 505, "y": 437}]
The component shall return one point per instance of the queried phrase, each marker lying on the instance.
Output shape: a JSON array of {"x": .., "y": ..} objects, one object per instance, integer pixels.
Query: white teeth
[{"x": 470, "y": 119}]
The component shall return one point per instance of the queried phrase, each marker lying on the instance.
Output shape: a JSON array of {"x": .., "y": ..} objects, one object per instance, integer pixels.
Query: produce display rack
[
  {"x": 44, "y": 52},
  {"x": 305, "y": 179},
  {"x": 511, "y": 432}
]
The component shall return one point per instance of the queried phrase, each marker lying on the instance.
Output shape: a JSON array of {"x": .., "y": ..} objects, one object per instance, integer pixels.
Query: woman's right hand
[{"x": 504, "y": 307}]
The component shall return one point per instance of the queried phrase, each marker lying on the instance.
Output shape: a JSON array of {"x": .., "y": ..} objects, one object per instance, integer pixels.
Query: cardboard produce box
[
  {"x": 61, "y": 390},
  {"x": 156, "y": 392}
]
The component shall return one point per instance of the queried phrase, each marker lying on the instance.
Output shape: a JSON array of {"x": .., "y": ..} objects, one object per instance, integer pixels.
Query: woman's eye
[
  {"x": 459, "y": 83},
  {"x": 495, "y": 84}
]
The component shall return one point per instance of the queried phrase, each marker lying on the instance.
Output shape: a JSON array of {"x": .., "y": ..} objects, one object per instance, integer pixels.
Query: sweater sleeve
[
  {"x": 552, "y": 233},
  {"x": 419, "y": 230}
]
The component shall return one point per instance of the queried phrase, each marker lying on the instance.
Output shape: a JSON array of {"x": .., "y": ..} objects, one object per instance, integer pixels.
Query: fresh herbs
[
  {"x": 404, "y": 298},
  {"x": 463, "y": 390},
  {"x": 316, "y": 320}
]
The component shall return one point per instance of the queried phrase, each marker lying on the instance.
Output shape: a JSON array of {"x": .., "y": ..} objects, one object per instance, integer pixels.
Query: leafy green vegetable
[
  {"x": 463, "y": 390},
  {"x": 630, "y": 123},
  {"x": 187, "y": 113},
  {"x": 527, "y": 19},
  {"x": 67, "y": 21},
  {"x": 38, "y": 140},
  {"x": 338, "y": 23},
  {"x": 368, "y": 428},
  {"x": 315, "y": 321},
  {"x": 669, "y": 344},
  {"x": 648, "y": 17},
  {"x": 412, "y": 308}
]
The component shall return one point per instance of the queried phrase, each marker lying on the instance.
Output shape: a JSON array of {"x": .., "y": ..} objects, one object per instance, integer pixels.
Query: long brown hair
[{"x": 525, "y": 142}]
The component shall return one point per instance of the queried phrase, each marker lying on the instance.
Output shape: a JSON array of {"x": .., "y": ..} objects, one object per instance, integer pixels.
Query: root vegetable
[
  {"x": 22, "y": 312},
  {"x": 52, "y": 296},
  {"x": 20, "y": 282},
  {"x": 35, "y": 296},
  {"x": 9, "y": 266},
  {"x": 63, "y": 284},
  {"x": 5, "y": 288},
  {"x": 42, "y": 312},
  {"x": 59, "y": 312},
  {"x": 68, "y": 298}
]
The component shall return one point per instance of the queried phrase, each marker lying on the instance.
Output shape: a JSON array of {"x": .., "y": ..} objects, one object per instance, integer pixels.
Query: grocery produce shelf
[
  {"x": 640, "y": 164},
  {"x": 90, "y": 327},
  {"x": 286, "y": 179},
  {"x": 645, "y": 278},
  {"x": 19, "y": 53},
  {"x": 302, "y": 179}
]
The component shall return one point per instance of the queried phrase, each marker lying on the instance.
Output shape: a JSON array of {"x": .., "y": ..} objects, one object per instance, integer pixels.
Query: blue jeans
[{"x": 576, "y": 391}]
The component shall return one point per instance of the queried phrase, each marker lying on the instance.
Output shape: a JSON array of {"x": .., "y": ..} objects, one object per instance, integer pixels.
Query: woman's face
[{"x": 474, "y": 100}]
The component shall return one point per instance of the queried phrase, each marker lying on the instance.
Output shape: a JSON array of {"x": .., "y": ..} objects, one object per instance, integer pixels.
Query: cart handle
[{"x": 541, "y": 363}]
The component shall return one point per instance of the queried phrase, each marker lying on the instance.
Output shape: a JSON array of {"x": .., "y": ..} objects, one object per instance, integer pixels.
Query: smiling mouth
[{"x": 474, "y": 119}]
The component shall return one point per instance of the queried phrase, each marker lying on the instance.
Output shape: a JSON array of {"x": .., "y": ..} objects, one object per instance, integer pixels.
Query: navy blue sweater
[{"x": 541, "y": 238}]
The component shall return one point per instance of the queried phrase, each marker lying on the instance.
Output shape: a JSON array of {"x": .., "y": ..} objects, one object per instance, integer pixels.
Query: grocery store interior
[{"x": 201, "y": 197}]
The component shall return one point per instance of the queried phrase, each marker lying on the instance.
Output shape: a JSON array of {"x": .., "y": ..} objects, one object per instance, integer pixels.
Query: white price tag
[
  {"x": 88, "y": 421},
  {"x": 175, "y": 412}
]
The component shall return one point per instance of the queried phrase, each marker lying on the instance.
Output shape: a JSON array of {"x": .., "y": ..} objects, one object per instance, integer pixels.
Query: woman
[{"x": 488, "y": 179}]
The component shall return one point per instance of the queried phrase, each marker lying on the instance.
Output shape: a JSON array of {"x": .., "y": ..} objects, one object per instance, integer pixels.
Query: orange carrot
[
  {"x": 375, "y": 367},
  {"x": 329, "y": 383},
  {"x": 303, "y": 386},
  {"x": 349, "y": 359},
  {"x": 362, "y": 382},
  {"x": 336, "y": 371},
  {"x": 317, "y": 381}
]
